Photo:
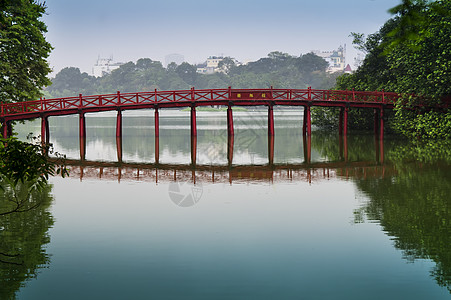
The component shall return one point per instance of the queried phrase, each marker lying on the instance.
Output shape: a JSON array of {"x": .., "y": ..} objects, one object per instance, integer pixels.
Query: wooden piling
[
  {"x": 270, "y": 120},
  {"x": 230, "y": 130}
]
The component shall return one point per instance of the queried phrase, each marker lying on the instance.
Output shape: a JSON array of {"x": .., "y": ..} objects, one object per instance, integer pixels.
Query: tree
[
  {"x": 23, "y": 50},
  {"x": 227, "y": 65},
  {"x": 25, "y": 164},
  {"x": 70, "y": 82},
  {"x": 400, "y": 61},
  {"x": 23, "y": 240},
  {"x": 187, "y": 72},
  {"x": 310, "y": 62}
]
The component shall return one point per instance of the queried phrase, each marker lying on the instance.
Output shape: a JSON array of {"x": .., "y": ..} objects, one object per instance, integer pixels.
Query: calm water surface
[{"x": 334, "y": 224}]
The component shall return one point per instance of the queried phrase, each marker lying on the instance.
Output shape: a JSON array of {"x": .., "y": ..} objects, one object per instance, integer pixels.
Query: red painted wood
[
  {"x": 270, "y": 121},
  {"x": 230, "y": 140},
  {"x": 271, "y": 149},
  {"x": 307, "y": 128},
  {"x": 119, "y": 148},
  {"x": 230, "y": 130},
  {"x": 184, "y": 98},
  {"x": 307, "y": 145},
  {"x": 82, "y": 125},
  {"x": 193, "y": 149},
  {"x": 45, "y": 131},
  {"x": 119, "y": 124},
  {"x": 157, "y": 123},
  {"x": 193, "y": 121},
  {"x": 157, "y": 149},
  {"x": 381, "y": 122}
]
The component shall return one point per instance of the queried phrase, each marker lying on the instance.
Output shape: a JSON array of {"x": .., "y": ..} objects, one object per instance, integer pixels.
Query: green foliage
[
  {"x": 410, "y": 54},
  {"x": 23, "y": 50},
  {"x": 279, "y": 70},
  {"x": 23, "y": 237},
  {"x": 414, "y": 208},
  {"x": 25, "y": 168}
]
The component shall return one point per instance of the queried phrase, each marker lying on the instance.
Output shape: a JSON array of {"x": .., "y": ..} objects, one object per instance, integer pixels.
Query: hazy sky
[{"x": 82, "y": 30}]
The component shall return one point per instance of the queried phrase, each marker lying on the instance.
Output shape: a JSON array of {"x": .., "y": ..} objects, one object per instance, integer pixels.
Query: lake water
[{"x": 345, "y": 219}]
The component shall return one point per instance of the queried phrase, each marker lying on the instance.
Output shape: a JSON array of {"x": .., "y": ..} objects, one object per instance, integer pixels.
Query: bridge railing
[{"x": 157, "y": 97}]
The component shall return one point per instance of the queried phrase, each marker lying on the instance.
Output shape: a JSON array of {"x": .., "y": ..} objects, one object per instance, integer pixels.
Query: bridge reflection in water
[{"x": 307, "y": 171}]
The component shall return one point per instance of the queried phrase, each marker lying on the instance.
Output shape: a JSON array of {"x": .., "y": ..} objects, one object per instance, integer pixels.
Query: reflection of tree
[
  {"x": 22, "y": 237},
  {"x": 415, "y": 208},
  {"x": 361, "y": 147}
]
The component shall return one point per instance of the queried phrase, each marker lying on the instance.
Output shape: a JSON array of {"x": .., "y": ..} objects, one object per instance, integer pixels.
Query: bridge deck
[{"x": 194, "y": 98}]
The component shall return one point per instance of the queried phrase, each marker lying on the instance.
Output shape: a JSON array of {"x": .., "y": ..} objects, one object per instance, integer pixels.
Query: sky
[{"x": 82, "y": 31}]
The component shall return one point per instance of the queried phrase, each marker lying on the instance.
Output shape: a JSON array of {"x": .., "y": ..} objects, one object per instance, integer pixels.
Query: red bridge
[{"x": 307, "y": 98}]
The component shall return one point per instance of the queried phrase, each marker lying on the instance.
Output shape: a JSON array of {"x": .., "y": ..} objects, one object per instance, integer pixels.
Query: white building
[
  {"x": 335, "y": 58},
  {"x": 212, "y": 65},
  {"x": 104, "y": 66}
]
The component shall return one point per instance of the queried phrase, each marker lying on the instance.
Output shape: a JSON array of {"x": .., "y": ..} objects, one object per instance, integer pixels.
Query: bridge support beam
[
  {"x": 82, "y": 125},
  {"x": 82, "y": 135},
  {"x": 45, "y": 130},
  {"x": 307, "y": 144},
  {"x": 193, "y": 149},
  {"x": 157, "y": 123},
  {"x": 230, "y": 131},
  {"x": 193, "y": 121},
  {"x": 157, "y": 136},
  {"x": 270, "y": 120},
  {"x": 119, "y": 148},
  {"x": 230, "y": 140},
  {"x": 119, "y": 124},
  {"x": 157, "y": 150},
  {"x": 307, "y": 122},
  {"x": 271, "y": 149}
]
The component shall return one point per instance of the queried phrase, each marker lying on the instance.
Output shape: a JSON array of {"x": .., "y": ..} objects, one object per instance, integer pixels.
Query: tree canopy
[
  {"x": 23, "y": 50},
  {"x": 410, "y": 54},
  {"x": 278, "y": 69}
]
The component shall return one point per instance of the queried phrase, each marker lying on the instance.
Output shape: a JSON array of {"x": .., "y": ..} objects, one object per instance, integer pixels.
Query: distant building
[
  {"x": 348, "y": 69},
  {"x": 335, "y": 58},
  {"x": 104, "y": 66},
  {"x": 212, "y": 65},
  {"x": 175, "y": 58}
]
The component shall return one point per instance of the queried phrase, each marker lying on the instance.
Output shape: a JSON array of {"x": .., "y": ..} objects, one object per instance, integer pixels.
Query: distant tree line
[{"x": 278, "y": 69}]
